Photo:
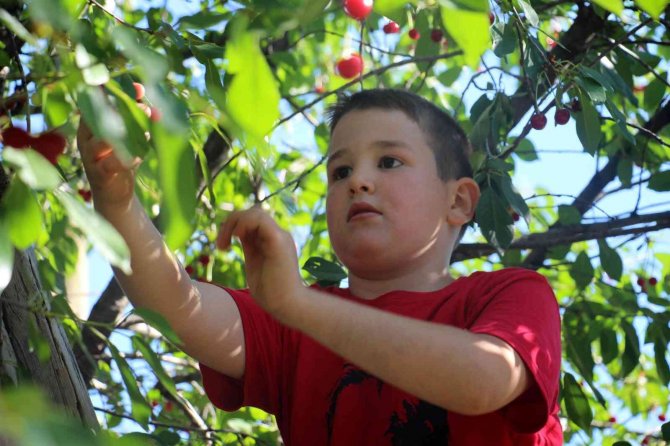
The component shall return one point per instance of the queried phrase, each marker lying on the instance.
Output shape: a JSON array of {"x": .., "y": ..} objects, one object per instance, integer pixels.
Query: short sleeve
[
  {"x": 259, "y": 387},
  {"x": 519, "y": 307}
]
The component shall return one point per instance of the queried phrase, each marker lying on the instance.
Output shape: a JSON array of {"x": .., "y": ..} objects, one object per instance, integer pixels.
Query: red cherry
[
  {"x": 492, "y": 18},
  {"x": 358, "y": 9},
  {"x": 350, "y": 67},
  {"x": 189, "y": 270},
  {"x": 538, "y": 121},
  {"x": 639, "y": 88},
  {"x": 436, "y": 35},
  {"x": 154, "y": 403},
  {"x": 155, "y": 114},
  {"x": 551, "y": 43},
  {"x": 204, "y": 259},
  {"x": 391, "y": 27},
  {"x": 85, "y": 194},
  {"x": 653, "y": 281},
  {"x": 645, "y": 440},
  {"x": 50, "y": 144},
  {"x": 640, "y": 281},
  {"x": 662, "y": 418},
  {"x": 16, "y": 137},
  {"x": 139, "y": 91},
  {"x": 168, "y": 406},
  {"x": 562, "y": 116},
  {"x": 414, "y": 34},
  {"x": 612, "y": 419},
  {"x": 515, "y": 216},
  {"x": 319, "y": 89}
]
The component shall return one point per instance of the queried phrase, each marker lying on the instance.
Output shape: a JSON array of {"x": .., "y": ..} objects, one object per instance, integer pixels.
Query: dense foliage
[{"x": 239, "y": 90}]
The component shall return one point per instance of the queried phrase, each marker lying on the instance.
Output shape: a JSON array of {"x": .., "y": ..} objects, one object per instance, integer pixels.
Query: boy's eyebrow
[{"x": 382, "y": 144}]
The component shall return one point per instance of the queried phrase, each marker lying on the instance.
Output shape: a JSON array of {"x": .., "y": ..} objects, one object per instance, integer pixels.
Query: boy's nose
[{"x": 360, "y": 183}]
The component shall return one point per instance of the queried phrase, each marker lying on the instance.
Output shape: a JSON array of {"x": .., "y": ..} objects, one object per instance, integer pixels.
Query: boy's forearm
[
  {"x": 447, "y": 366},
  {"x": 158, "y": 281}
]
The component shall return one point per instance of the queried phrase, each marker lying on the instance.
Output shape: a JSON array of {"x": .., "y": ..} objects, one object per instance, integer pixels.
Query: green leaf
[
  {"x": 609, "y": 345},
  {"x": 23, "y": 214},
  {"x": 176, "y": 170},
  {"x": 620, "y": 119},
  {"x": 37, "y": 343},
  {"x": 311, "y": 10},
  {"x": 6, "y": 255},
  {"x": 654, "y": 8},
  {"x": 660, "y": 349},
  {"x": 526, "y": 150},
  {"x": 99, "y": 231},
  {"x": 93, "y": 73},
  {"x": 530, "y": 13},
  {"x": 654, "y": 92},
  {"x": 588, "y": 126},
  {"x": 631, "y": 353},
  {"x": 324, "y": 271},
  {"x": 253, "y": 95},
  {"x": 493, "y": 219},
  {"x": 157, "y": 321},
  {"x": 507, "y": 43},
  {"x": 393, "y": 9},
  {"x": 155, "y": 363},
  {"x": 593, "y": 89},
  {"x": 33, "y": 169},
  {"x": 511, "y": 194},
  {"x": 17, "y": 28},
  {"x": 615, "y": 6},
  {"x": 470, "y": 30},
  {"x": 104, "y": 121},
  {"x": 202, "y": 20},
  {"x": 568, "y": 215},
  {"x": 153, "y": 66},
  {"x": 665, "y": 431},
  {"x": 581, "y": 270},
  {"x": 139, "y": 407},
  {"x": 625, "y": 171},
  {"x": 610, "y": 260},
  {"x": 660, "y": 181},
  {"x": 576, "y": 403}
]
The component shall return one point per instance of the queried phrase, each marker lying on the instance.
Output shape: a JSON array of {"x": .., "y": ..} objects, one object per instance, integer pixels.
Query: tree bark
[{"x": 23, "y": 304}]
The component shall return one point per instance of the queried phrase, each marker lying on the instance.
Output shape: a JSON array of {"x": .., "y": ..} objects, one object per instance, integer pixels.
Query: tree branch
[{"x": 563, "y": 235}]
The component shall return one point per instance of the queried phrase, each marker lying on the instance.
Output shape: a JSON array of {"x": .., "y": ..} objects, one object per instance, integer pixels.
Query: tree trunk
[{"x": 22, "y": 305}]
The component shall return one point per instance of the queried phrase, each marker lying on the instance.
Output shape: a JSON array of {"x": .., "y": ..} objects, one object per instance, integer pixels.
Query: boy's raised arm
[{"x": 204, "y": 316}]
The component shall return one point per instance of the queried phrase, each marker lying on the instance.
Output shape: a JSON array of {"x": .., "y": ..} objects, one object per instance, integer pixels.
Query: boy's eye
[
  {"x": 388, "y": 162},
  {"x": 340, "y": 173}
]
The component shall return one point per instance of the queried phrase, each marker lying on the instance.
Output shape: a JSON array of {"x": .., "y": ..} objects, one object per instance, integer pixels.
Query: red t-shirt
[{"x": 319, "y": 398}]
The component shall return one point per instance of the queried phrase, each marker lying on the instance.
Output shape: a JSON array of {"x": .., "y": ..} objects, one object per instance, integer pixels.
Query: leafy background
[{"x": 241, "y": 88}]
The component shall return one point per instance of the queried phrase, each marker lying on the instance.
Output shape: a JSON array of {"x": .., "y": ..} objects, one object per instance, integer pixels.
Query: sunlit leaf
[
  {"x": 23, "y": 214},
  {"x": 33, "y": 169},
  {"x": 470, "y": 30},
  {"x": 576, "y": 403},
  {"x": 98, "y": 230},
  {"x": 158, "y": 322},
  {"x": 6, "y": 255}
]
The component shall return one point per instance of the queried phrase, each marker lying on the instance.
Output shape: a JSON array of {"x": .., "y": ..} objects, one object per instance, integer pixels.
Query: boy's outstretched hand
[
  {"x": 111, "y": 181},
  {"x": 271, "y": 262}
]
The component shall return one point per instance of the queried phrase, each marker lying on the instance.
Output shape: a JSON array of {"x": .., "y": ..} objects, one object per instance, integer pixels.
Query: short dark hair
[{"x": 444, "y": 136}]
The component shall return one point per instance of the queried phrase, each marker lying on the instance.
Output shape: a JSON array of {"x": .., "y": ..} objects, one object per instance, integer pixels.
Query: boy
[{"x": 406, "y": 355}]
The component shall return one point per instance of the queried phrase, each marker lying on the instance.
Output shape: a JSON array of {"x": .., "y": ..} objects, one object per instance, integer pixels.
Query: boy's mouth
[{"x": 361, "y": 208}]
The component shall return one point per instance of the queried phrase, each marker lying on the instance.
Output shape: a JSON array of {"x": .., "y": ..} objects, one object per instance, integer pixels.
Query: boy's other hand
[
  {"x": 112, "y": 182},
  {"x": 271, "y": 262}
]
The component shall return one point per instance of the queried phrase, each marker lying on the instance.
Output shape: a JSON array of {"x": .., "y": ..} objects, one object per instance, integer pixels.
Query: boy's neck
[{"x": 369, "y": 289}]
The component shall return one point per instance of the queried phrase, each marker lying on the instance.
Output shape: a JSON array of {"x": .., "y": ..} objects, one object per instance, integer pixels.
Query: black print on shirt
[{"x": 420, "y": 424}]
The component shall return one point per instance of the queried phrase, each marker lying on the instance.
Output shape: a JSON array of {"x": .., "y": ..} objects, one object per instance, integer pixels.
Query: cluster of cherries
[
  {"x": 203, "y": 260},
  {"x": 50, "y": 144},
  {"x": 539, "y": 120},
  {"x": 351, "y": 66},
  {"x": 642, "y": 283}
]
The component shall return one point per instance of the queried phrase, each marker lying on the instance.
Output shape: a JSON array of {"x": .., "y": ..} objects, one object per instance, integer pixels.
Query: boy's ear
[{"x": 464, "y": 198}]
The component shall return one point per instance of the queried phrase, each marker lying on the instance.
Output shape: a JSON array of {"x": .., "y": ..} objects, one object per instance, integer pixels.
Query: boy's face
[{"x": 386, "y": 206}]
